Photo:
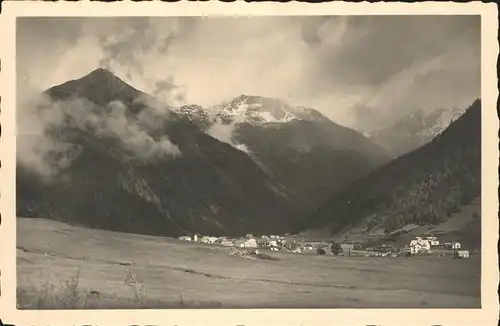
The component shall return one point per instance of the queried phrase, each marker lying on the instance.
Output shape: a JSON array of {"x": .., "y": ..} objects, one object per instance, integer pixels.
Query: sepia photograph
[{"x": 249, "y": 162}]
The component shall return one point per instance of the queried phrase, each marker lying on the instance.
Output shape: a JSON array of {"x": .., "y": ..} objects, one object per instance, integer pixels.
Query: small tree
[{"x": 335, "y": 248}]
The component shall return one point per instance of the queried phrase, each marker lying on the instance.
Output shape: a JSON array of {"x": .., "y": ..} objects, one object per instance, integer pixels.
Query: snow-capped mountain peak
[
  {"x": 414, "y": 129},
  {"x": 438, "y": 120},
  {"x": 259, "y": 110},
  {"x": 255, "y": 110}
]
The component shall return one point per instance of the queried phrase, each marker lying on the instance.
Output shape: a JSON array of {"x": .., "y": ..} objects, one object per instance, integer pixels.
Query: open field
[{"x": 62, "y": 266}]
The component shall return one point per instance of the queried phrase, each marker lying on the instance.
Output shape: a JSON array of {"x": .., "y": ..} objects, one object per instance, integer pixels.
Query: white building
[
  {"x": 250, "y": 243},
  {"x": 207, "y": 239},
  {"x": 455, "y": 245},
  {"x": 226, "y": 243},
  {"x": 434, "y": 241},
  {"x": 462, "y": 254},
  {"x": 273, "y": 243},
  {"x": 419, "y": 245}
]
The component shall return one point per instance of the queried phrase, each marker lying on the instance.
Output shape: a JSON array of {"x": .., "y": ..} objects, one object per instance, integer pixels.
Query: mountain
[
  {"x": 298, "y": 146},
  {"x": 424, "y": 187},
  {"x": 123, "y": 162},
  {"x": 100, "y": 86},
  {"x": 314, "y": 158},
  {"x": 257, "y": 110},
  {"x": 414, "y": 130},
  {"x": 248, "y": 109}
]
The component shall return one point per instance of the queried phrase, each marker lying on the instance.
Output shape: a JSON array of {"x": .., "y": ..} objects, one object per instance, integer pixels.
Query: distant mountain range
[
  {"x": 300, "y": 147},
  {"x": 131, "y": 164},
  {"x": 423, "y": 187},
  {"x": 413, "y": 130}
]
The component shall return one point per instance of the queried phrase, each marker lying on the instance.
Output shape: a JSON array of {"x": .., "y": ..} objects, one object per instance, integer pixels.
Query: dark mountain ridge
[
  {"x": 315, "y": 158},
  {"x": 422, "y": 187},
  {"x": 99, "y": 86}
]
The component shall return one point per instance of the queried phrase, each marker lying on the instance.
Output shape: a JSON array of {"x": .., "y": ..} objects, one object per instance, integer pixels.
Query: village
[{"x": 418, "y": 246}]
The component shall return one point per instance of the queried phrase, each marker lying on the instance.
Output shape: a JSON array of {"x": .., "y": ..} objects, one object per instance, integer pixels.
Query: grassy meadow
[{"x": 67, "y": 267}]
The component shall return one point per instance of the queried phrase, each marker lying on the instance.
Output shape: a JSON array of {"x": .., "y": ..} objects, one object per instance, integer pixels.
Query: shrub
[
  {"x": 70, "y": 295},
  {"x": 67, "y": 295},
  {"x": 321, "y": 251}
]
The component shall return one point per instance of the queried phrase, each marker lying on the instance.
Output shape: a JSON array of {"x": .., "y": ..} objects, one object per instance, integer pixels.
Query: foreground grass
[
  {"x": 70, "y": 295},
  {"x": 92, "y": 269}
]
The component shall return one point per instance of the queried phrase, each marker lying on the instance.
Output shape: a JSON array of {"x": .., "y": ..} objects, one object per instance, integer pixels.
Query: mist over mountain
[
  {"x": 423, "y": 187},
  {"x": 111, "y": 157}
]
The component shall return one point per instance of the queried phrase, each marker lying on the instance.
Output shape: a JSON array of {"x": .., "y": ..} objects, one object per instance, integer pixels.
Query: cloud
[
  {"x": 224, "y": 133},
  {"x": 134, "y": 135},
  {"x": 223, "y": 129},
  {"x": 168, "y": 91},
  {"x": 53, "y": 131},
  {"x": 374, "y": 48},
  {"x": 442, "y": 81},
  {"x": 35, "y": 149},
  {"x": 334, "y": 64}
]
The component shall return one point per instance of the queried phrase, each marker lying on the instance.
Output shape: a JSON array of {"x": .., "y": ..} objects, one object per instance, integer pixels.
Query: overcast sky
[{"x": 353, "y": 69}]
